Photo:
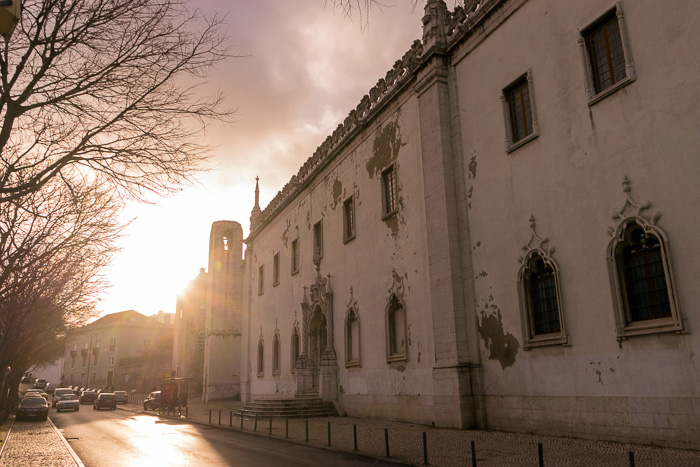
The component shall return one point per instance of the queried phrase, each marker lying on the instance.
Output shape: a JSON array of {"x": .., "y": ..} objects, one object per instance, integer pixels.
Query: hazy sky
[{"x": 305, "y": 68}]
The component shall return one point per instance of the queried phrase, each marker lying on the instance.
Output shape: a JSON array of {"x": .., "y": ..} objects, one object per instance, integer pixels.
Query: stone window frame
[
  {"x": 261, "y": 281},
  {"x": 391, "y": 312},
  {"x": 110, "y": 361},
  {"x": 113, "y": 343},
  {"x": 276, "y": 354},
  {"x": 537, "y": 249},
  {"x": 349, "y": 219},
  {"x": 631, "y": 215},
  {"x": 511, "y": 144},
  {"x": 276, "y": 269},
  {"x": 294, "y": 255},
  {"x": 352, "y": 359},
  {"x": 318, "y": 240},
  {"x": 390, "y": 202},
  {"x": 625, "y": 325},
  {"x": 584, "y": 34},
  {"x": 261, "y": 358},
  {"x": 296, "y": 348}
]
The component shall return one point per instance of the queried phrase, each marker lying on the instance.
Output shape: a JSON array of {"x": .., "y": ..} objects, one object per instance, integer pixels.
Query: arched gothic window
[
  {"x": 540, "y": 301},
  {"x": 352, "y": 338},
  {"x": 261, "y": 354},
  {"x": 642, "y": 280},
  {"x": 295, "y": 349},
  {"x": 276, "y": 355},
  {"x": 397, "y": 345}
]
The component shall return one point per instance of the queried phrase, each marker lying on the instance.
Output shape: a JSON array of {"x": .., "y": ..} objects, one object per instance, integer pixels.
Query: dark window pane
[
  {"x": 607, "y": 58},
  {"x": 518, "y": 97},
  {"x": 389, "y": 190},
  {"x": 644, "y": 278},
  {"x": 543, "y": 299}
]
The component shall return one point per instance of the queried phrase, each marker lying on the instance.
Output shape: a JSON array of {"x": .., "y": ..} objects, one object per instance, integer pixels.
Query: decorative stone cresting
[
  {"x": 633, "y": 206},
  {"x": 403, "y": 69},
  {"x": 536, "y": 242}
]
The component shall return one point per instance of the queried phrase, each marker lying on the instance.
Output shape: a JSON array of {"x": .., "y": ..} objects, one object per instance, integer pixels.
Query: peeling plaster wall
[
  {"x": 365, "y": 264},
  {"x": 569, "y": 178}
]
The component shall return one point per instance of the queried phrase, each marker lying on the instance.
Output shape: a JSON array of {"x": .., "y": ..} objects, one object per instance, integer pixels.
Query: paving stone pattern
[
  {"x": 40, "y": 444},
  {"x": 446, "y": 447},
  {"x": 35, "y": 444}
]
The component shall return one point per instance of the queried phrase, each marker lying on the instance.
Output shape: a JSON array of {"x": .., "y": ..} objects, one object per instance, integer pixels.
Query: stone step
[{"x": 297, "y": 407}]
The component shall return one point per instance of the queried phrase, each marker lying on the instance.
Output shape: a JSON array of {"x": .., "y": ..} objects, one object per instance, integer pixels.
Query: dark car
[
  {"x": 122, "y": 397},
  {"x": 152, "y": 401},
  {"x": 105, "y": 400},
  {"x": 58, "y": 393},
  {"x": 33, "y": 407},
  {"x": 88, "y": 396},
  {"x": 68, "y": 402}
]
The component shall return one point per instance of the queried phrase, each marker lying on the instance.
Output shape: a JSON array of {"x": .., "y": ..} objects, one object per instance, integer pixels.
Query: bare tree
[
  {"x": 106, "y": 87},
  {"x": 54, "y": 244},
  {"x": 363, "y": 8}
]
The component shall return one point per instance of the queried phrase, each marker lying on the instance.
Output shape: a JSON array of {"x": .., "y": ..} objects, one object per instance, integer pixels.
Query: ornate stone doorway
[
  {"x": 318, "y": 340},
  {"x": 317, "y": 369}
]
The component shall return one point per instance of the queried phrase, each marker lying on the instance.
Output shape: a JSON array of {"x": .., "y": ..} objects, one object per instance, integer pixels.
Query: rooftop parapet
[{"x": 440, "y": 28}]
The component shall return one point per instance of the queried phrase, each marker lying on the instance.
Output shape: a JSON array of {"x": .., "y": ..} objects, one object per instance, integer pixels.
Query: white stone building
[{"x": 500, "y": 235}]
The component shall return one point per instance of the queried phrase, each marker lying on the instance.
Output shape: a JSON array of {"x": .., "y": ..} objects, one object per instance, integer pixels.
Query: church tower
[{"x": 222, "y": 351}]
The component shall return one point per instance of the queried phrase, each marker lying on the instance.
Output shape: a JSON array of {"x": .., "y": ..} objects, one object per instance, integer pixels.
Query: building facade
[
  {"x": 189, "y": 339},
  {"x": 126, "y": 350},
  {"x": 500, "y": 234}
]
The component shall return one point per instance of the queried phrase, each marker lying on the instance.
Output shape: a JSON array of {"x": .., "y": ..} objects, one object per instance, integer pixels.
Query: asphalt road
[{"x": 124, "y": 439}]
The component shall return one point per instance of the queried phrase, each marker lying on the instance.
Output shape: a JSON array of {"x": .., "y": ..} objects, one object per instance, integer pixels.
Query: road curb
[
  {"x": 263, "y": 435},
  {"x": 65, "y": 443},
  {"x": 4, "y": 442}
]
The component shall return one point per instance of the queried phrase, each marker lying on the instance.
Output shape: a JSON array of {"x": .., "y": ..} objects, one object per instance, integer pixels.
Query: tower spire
[{"x": 255, "y": 213}]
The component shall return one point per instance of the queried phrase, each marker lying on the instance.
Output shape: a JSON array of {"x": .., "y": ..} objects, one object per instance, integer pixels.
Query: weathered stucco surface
[{"x": 457, "y": 239}]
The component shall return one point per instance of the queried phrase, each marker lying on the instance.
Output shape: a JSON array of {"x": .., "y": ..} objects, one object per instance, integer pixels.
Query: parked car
[
  {"x": 121, "y": 396},
  {"x": 58, "y": 393},
  {"x": 33, "y": 407},
  {"x": 40, "y": 383},
  {"x": 105, "y": 399},
  {"x": 68, "y": 402},
  {"x": 25, "y": 380},
  {"x": 152, "y": 401},
  {"x": 88, "y": 396}
]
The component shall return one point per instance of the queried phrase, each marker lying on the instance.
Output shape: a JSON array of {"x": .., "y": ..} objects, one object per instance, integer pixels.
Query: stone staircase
[{"x": 302, "y": 406}]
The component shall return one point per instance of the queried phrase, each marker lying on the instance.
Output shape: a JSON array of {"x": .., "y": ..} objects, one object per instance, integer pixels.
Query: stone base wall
[
  {"x": 413, "y": 409},
  {"x": 661, "y": 421}
]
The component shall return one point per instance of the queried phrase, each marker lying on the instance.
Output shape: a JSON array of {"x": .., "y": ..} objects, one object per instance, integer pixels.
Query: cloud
[{"x": 304, "y": 69}]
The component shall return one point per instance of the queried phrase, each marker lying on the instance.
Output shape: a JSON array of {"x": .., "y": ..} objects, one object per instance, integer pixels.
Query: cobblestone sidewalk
[
  {"x": 41, "y": 444},
  {"x": 445, "y": 447},
  {"x": 37, "y": 444}
]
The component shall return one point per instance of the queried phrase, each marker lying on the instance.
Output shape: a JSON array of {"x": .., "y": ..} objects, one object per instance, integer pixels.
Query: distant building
[
  {"x": 164, "y": 318},
  {"x": 189, "y": 339},
  {"x": 487, "y": 239},
  {"x": 126, "y": 350}
]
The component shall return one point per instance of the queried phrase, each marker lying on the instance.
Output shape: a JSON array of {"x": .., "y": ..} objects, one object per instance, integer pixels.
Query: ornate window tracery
[
  {"x": 641, "y": 273},
  {"x": 541, "y": 305},
  {"x": 352, "y": 333}
]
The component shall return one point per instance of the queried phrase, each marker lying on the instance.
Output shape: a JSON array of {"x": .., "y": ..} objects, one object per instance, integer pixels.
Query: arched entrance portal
[
  {"x": 317, "y": 369},
  {"x": 318, "y": 340}
]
